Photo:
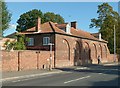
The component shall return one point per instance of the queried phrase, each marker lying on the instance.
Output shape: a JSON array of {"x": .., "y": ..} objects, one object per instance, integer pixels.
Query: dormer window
[
  {"x": 65, "y": 27},
  {"x": 68, "y": 29}
]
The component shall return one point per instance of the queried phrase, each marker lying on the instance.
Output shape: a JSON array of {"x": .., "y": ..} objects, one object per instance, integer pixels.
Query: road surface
[{"x": 79, "y": 76}]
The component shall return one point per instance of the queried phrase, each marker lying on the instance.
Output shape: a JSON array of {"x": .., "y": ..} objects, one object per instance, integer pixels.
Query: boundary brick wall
[
  {"x": 111, "y": 58},
  {"x": 26, "y": 60},
  {"x": 32, "y": 59}
]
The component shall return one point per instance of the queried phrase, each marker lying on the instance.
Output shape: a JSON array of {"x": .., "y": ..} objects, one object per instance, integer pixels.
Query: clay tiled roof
[
  {"x": 81, "y": 33},
  {"x": 45, "y": 28},
  {"x": 56, "y": 29},
  {"x": 95, "y": 35},
  {"x": 31, "y": 29},
  {"x": 61, "y": 25},
  {"x": 50, "y": 27}
]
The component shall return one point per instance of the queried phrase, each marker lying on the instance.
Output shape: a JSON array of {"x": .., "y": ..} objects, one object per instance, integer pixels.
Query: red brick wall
[
  {"x": 28, "y": 60},
  {"x": 62, "y": 48},
  {"x": 111, "y": 58},
  {"x": 38, "y": 41},
  {"x": 69, "y": 51},
  {"x": 82, "y": 51},
  {"x": 9, "y": 61}
]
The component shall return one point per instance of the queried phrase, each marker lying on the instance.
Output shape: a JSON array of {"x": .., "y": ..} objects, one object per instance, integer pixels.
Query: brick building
[{"x": 72, "y": 46}]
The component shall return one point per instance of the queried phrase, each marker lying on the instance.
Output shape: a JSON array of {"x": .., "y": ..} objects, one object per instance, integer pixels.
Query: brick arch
[
  {"x": 87, "y": 52},
  {"x": 105, "y": 51},
  {"x": 66, "y": 51},
  {"x": 100, "y": 51},
  {"x": 94, "y": 51},
  {"x": 77, "y": 53},
  {"x": 78, "y": 46}
]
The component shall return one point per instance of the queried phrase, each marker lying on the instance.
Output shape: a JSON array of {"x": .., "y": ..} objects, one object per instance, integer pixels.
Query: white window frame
[
  {"x": 31, "y": 42},
  {"x": 46, "y": 40}
]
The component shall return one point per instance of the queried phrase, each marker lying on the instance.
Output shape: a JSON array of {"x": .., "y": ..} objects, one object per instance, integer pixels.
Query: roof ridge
[
  {"x": 51, "y": 26},
  {"x": 87, "y": 35},
  {"x": 83, "y": 31},
  {"x": 56, "y": 29}
]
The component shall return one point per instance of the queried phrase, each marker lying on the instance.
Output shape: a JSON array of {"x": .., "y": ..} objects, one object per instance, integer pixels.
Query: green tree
[
  {"x": 5, "y": 17},
  {"x": 17, "y": 45},
  {"x": 118, "y": 37},
  {"x": 20, "y": 44},
  {"x": 49, "y": 16},
  {"x": 9, "y": 45},
  {"x": 28, "y": 19},
  {"x": 106, "y": 20}
]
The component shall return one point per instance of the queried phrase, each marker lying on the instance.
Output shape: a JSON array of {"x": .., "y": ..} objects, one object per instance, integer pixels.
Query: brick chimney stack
[
  {"x": 38, "y": 24},
  {"x": 74, "y": 24}
]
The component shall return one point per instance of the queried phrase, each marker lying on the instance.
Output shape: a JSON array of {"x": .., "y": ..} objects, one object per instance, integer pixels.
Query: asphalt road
[{"x": 86, "y": 76}]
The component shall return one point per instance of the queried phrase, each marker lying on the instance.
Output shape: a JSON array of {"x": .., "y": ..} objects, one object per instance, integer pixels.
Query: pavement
[{"x": 7, "y": 76}]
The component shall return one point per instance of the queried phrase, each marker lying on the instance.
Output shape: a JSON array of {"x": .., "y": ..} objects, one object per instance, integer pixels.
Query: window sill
[
  {"x": 45, "y": 45},
  {"x": 30, "y": 45}
]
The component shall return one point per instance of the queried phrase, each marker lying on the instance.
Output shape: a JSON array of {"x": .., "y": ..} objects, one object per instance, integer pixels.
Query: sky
[{"x": 82, "y": 12}]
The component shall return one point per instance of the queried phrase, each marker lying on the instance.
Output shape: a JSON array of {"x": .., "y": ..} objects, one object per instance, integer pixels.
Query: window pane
[
  {"x": 46, "y": 40},
  {"x": 31, "y": 42}
]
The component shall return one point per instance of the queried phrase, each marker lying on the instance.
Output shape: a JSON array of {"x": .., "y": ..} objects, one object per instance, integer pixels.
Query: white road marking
[
  {"x": 25, "y": 79},
  {"x": 104, "y": 72},
  {"x": 67, "y": 72},
  {"x": 82, "y": 68},
  {"x": 20, "y": 80},
  {"x": 28, "y": 76},
  {"x": 39, "y": 77},
  {"x": 16, "y": 81},
  {"x": 77, "y": 79}
]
